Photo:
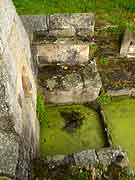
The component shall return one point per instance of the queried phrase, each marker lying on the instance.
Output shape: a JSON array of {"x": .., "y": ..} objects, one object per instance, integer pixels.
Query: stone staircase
[
  {"x": 66, "y": 74},
  {"x": 66, "y": 45}
]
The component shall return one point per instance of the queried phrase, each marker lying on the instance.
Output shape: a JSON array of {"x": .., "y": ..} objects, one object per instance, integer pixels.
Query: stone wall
[{"x": 19, "y": 130}]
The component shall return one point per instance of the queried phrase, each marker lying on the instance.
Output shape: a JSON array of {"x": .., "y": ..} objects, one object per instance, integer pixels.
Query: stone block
[
  {"x": 70, "y": 84},
  {"x": 69, "y": 53},
  {"x": 86, "y": 158},
  {"x": 33, "y": 23},
  {"x": 108, "y": 155},
  {"x": 68, "y": 25}
]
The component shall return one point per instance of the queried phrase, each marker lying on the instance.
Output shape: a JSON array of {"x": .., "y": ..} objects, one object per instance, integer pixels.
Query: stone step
[
  {"x": 64, "y": 52},
  {"x": 70, "y": 84},
  {"x": 61, "y": 25}
]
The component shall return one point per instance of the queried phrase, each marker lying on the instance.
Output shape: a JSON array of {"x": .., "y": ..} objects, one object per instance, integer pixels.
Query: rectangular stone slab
[
  {"x": 71, "y": 24},
  {"x": 63, "y": 53}
]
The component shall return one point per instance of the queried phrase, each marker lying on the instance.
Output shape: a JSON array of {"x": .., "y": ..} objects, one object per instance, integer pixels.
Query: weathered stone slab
[
  {"x": 67, "y": 25},
  {"x": 9, "y": 149},
  {"x": 62, "y": 53},
  {"x": 86, "y": 158},
  {"x": 107, "y": 155},
  {"x": 70, "y": 84},
  {"x": 33, "y": 23}
]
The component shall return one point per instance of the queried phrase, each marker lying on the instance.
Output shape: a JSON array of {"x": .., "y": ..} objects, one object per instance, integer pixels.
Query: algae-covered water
[
  {"x": 120, "y": 114},
  {"x": 69, "y": 129}
]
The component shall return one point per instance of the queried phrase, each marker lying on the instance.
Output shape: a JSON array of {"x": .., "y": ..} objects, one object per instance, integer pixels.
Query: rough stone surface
[
  {"x": 70, "y": 84},
  {"x": 68, "y": 25},
  {"x": 19, "y": 133},
  {"x": 14, "y": 156},
  {"x": 34, "y": 23},
  {"x": 7, "y": 15},
  {"x": 60, "y": 25},
  {"x": 9, "y": 149},
  {"x": 86, "y": 158},
  {"x": 62, "y": 53},
  {"x": 108, "y": 155}
]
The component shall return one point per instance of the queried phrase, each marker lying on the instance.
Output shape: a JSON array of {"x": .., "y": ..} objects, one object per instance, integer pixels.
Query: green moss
[
  {"x": 41, "y": 112},
  {"x": 104, "y": 99},
  {"x": 120, "y": 115},
  {"x": 56, "y": 140},
  {"x": 93, "y": 49},
  {"x": 103, "y": 61}
]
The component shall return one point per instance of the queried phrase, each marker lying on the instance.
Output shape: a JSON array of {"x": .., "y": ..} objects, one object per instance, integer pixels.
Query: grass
[
  {"x": 56, "y": 140},
  {"x": 55, "y": 6},
  {"x": 41, "y": 112},
  {"x": 121, "y": 122}
]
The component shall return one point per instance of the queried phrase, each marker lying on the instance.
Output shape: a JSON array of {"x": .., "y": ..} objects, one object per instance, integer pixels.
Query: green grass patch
[
  {"x": 56, "y": 140},
  {"x": 120, "y": 115},
  {"x": 55, "y": 6},
  {"x": 104, "y": 98},
  {"x": 41, "y": 112}
]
